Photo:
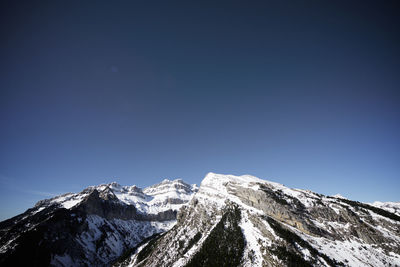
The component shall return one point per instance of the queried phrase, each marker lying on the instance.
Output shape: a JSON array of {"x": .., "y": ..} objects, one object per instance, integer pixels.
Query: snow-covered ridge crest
[
  {"x": 263, "y": 223},
  {"x": 93, "y": 227},
  {"x": 268, "y": 224},
  {"x": 167, "y": 195},
  {"x": 219, "y": 187},
  {"x": 393, "y": 207},
  {"x": 219, "y": 181}
]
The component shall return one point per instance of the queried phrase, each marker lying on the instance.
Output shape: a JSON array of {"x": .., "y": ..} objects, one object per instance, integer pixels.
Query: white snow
[
  {"x": 252, "y": 235},
  {"x": 167, "y": 195},
  {"x": 214, "y": 192},
  {"x": 69, "y": 200},
  {"x": 352, "y": 252},
  {"x": 339, "y": 196},
  {"x": 120, "y": 235},
  {"x": 156, "y": 198},
  {"x": 38, "y": 210},
  {"x": 393, "y": 207},
  {"x": 213, "y": 188},
  {"x": 71, "y": 203}
]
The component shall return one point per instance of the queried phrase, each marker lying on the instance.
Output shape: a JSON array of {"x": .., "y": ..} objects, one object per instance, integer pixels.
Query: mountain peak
[
  {"x": 217, "y": 180},
  {"x": 218, "y": 187},
  {"x": 339, "y": 196},
  {"x": 92, "y": 227},
  {"x": 255, "y": 222},
  {"x": 234, "y": 178},
  {"x": 228, "y": 220},
  {"x": 114, "y": 184},
  {"x": 168, "y": 181}
]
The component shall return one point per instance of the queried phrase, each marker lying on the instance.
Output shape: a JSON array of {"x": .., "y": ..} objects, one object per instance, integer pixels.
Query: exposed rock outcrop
[
  {"x": 279, "y": 226},
  {"x": 91, "y": 228}
]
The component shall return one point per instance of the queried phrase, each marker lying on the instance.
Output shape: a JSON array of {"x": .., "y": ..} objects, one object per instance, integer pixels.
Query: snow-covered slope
[
  {"x": 246, "y": 221},
  {"x": 167, "y": 195},
  {"x": 93, "y": 227},
  {"x": 228, "y": 221},
  {"x": 393, "y": 207}
]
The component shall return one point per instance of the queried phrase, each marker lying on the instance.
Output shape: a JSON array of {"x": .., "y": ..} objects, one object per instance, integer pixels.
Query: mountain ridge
[
  {"x": 228, "y": 221},
  {"x": 92, "y": 227},
  {"x": 278, "y": 226}
]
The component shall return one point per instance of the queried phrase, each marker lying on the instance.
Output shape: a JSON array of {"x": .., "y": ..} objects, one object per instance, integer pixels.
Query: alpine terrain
[
  {"x": 246, "y": 221},
  {"x": 93, "y": 227},
  {"x": 227, "y": 221}
]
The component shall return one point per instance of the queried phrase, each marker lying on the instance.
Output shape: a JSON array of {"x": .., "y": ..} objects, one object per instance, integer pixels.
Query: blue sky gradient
[{"x": 305, "y": 94}]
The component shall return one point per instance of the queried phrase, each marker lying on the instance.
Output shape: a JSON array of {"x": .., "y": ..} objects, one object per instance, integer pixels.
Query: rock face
[
  {"x": 93, "y": 227},
  {"x": 228, "y": 221},
  {"x": 246, "y": 221}
]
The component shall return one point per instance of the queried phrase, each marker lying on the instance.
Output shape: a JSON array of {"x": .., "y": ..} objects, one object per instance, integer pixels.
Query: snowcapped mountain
[
  {"x": 161, "y": 197},
  {"x": 93, "y": 227},
  {"x": 246, "y": 221},
  {"x": 227, "y": 221}
]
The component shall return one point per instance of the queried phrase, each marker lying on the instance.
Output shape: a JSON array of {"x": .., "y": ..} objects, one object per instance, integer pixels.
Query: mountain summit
[
  {"x": 93, "y": 227},
  {"x": 228, "y": 221},
  {"x": 246, "y": 221}
]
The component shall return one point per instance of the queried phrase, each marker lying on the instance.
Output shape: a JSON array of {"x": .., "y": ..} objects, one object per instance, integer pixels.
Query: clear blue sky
[{"x": 305, "y": 93}]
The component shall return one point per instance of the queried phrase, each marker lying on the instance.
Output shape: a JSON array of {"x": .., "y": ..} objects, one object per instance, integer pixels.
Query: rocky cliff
[
  {"x": 93, "y": 227},
  {"x": 246, "y": 221},
  {"x": 228, "y": 221}
]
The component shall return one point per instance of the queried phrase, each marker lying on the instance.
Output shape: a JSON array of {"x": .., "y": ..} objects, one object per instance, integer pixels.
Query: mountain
[
  {"x": 93, "y": 227},
  {"x": 246, "y": 221},
  {"x": 228, "y": 221}
]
